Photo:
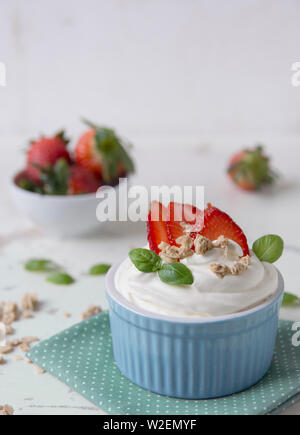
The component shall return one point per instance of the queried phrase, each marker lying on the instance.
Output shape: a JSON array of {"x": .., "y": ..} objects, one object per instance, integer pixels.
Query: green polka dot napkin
[{"x": 81, "y": 356}]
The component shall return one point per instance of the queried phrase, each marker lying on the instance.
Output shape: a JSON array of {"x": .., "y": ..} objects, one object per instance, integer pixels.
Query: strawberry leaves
[
  {"x": 29, "y": 185},
  {"x": 62, "y": 136},
  {"x": 55, "y": 178}
]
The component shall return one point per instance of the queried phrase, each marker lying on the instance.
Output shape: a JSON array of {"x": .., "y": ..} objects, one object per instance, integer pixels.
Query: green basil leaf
[
  {"x": 60, "y": 279},
  {"x": 176, "y": 274},
  {"x": 99, "y": 269},
  {"x": 268, "y": 248},
  {"x": 40, "y": 265},
  {"x": 145, "y": 260},
  {"x": 290, "y": 299}
]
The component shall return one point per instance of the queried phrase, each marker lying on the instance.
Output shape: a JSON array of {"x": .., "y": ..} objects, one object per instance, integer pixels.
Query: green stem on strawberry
[
  {"x": 250, "y": 169},
  {"x": 55, "y": 178},
  {"x": 62, "y": 135},
  {"x": 112, "y": 151},
  {"x": 30, "y": 186}
]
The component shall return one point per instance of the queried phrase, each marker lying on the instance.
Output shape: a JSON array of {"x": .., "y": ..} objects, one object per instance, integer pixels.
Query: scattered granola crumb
[
  {"x": 28, "y": 361},
  {"x": 14, "y": 343},
  {"x": 5, "y": 349},
  {"x": 91, "y": 311},
  {"x": 6, "y": 410},
  {"x": 67, "y": 315},
  {"x": 29, "y": 302},
  {"x": 2, "y": 360},
  {"x": 9, "y": 312},
  {"x": 18, "y": 358},
  {"x": 29, "y": 340},
  {"x": 10, "y": 307},
  {"x": 8, "y": 319},
  {"x": 221, "y": 270},
  {"x": 9, "y": 330},
  {"x": 24, "y": 347},
  {"x": 39, "y": 370},
  {"x": 27, "y": 314},
  {"x": 202, "y": 245}
]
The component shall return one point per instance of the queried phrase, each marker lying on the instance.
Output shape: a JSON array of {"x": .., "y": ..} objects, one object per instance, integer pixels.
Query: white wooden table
[{"x": 276, "y": 210}]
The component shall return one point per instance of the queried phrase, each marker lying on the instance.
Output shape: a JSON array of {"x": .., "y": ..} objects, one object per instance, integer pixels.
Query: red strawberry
[
  {"x": 157, "y": 226},
  {"x": 250, "y": 169},
  {"x": 65, "y": 179},
  {"x": 85, "y": 153},
  {"x": 217, "y": 223},
  {"x": 101, "y": 151},
  {"x": 44, "y": 152},
  {"x": 82, "y": 180},
  {"x": 185, "y": 213}
]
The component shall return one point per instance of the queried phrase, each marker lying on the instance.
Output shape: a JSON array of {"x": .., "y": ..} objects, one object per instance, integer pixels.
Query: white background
[
  {"x": 188, "y": 82},
  {"x": 188, "y": 68}
]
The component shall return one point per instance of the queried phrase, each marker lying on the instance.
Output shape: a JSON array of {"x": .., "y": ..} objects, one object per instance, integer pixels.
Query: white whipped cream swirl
[{"x": 208, "y": 296}]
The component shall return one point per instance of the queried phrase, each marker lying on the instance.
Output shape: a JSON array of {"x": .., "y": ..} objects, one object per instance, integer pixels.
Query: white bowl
[{"x": 60, "y": 216}]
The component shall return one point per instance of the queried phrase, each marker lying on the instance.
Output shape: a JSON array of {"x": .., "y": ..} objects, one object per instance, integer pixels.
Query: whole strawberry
[
  {"x": 250, "y": 169},
  {"x": 101, "y": 151},
  {"x": 81, "y": 180},
  {"x": 45, "y": 152}
]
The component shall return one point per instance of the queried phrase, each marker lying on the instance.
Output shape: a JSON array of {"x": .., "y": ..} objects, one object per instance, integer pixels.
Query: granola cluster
[
  {"x": 183, "y": 249},
  {"x": 171, "y": 254},
  {"x": 29, "y": 303},
  {"x": 202, "y": 245},
  {"x": 221, "y": 270},
  {"x": 10, "y": 312},
  {"x": 23, "y": 344},
  {"x": 222, "y": 243}
]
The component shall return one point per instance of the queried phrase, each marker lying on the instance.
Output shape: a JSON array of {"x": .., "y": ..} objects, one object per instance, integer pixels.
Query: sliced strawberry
[
  {"x": 217, "y": 223},
  {"x": 157, "y": 226},
  {"x": 183, "y": 213}
]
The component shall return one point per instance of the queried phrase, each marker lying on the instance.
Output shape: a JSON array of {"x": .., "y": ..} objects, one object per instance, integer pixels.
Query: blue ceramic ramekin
[{"x": 191, "y": 359}]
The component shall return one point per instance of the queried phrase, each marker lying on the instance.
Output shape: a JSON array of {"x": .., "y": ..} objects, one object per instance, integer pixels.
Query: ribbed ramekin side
[{"x": 195, "y": 360}]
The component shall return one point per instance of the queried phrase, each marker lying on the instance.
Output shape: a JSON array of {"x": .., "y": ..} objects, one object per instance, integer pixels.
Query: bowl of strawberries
[{"x": 58, "y": 188}]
